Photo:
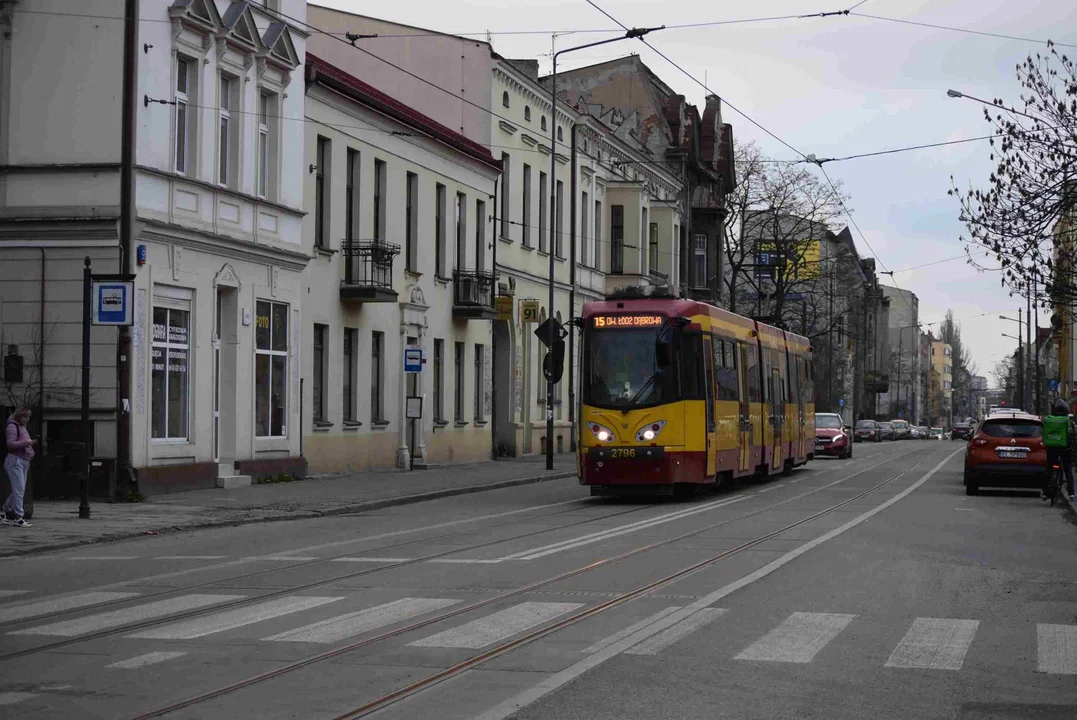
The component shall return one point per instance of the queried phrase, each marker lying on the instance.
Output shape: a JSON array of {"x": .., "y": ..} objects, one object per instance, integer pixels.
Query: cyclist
[{"x": 1063, "y": 455}]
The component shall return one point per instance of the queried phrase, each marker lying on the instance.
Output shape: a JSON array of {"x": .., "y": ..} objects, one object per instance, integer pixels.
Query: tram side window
[
  {"x": 754, "y": 394},
  {"x": 692, "y": 366},
  {"x": 725, "y": 365}
]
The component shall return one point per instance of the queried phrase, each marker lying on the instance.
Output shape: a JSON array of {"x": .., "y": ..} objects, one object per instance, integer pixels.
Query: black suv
[{"x": 961, "y": 431}]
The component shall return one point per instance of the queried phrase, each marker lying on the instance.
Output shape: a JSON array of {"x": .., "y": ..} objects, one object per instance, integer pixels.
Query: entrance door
[
  {"x": 217, "y": 381},
  {"x": 746, "y": 439},
  {"x": 708, "y": 379},
  {"x": 225, "y": 366},
  {"x": 777, "y": 417}
]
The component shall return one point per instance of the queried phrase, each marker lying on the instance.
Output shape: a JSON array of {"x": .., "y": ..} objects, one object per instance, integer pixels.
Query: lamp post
[
  {"x": 632, "y": 34},
  {"x": 1020, "y": 366},
  {"x": 957, "y": 94}
]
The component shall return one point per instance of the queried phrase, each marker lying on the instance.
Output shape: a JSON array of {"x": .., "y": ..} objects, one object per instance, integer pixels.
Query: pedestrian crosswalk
[{"x": 923, "y": 643}]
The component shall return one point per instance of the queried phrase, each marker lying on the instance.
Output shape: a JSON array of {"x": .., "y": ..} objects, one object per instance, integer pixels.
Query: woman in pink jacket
[{"x": 20, "y": 451}]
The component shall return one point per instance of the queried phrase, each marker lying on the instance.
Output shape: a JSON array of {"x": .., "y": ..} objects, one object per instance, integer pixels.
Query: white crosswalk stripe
[
  {"x": 660, "y": 641},
  {"x": 345, "y": 626},
  {"x": 631, "y": 629},
  {"x": 148, "y": 659},
  {"x": 127, "y": 616},
  {"x": 1057, "y": 649},
  {"x": 231, "y": 619},
  {"x": 60, "y": 604},
  {"x": 506, "y": 623},
  {"x": 934, "y": 644},
  {"x": 798, "y": 639}
]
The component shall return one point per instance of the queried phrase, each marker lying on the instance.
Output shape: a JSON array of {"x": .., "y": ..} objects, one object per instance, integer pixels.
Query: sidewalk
[{"x": 57, "y": 524}]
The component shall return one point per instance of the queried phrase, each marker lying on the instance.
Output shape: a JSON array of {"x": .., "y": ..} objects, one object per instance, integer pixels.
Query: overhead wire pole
[{"x": 554, "y": 229}]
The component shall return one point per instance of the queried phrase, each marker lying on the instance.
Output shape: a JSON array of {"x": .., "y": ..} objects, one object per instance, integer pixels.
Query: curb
[
  {"x": 351, "y": 509},
  {"x": 1068, "y": 505}
]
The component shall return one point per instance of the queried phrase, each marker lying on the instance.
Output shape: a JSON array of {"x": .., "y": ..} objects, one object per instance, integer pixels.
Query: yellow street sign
[
  {"x": 503, "y": 306},
  {"x": 529, "y": 311}
]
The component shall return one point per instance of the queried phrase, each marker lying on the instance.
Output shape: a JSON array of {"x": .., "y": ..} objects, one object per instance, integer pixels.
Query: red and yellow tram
[{"x": 677, "y": 392}]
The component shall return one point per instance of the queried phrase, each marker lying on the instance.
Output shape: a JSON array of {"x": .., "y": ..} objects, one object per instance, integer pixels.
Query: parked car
[
  {"x": 925, "y": 432},
  {"x": 961, "y": 431},
  {"x": 936, "y": 433},
  {"x": 867, "y": 430},
  {"x": 832, "y": 436},
  {"x": 1006, "y": 451},
  {"x": 914, "y": 432},
  {"x": 901, "y": 429},
  {"x": 886, "y": 431}
]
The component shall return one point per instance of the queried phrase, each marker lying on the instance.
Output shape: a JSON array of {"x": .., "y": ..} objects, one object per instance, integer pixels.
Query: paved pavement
[
  {"x": 56, "y": 524},
  {"x": 867, "y": 588}
]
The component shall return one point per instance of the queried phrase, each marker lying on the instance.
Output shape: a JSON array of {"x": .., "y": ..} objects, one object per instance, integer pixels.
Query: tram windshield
[{"x": 623, "y": 368}]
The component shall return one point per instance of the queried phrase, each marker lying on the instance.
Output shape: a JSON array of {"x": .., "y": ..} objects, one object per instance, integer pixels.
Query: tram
[{"x": 677, "y": 393}]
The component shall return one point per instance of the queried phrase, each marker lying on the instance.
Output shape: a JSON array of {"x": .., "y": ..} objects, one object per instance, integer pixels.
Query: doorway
[{"x": 225, "y": 360}]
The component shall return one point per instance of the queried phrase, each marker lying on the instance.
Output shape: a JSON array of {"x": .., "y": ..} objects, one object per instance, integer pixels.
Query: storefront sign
[
  {"x": 503, "y": 305},
  {"x": 529, "y": 311}
]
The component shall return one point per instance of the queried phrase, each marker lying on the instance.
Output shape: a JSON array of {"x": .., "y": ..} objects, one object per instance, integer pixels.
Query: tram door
[
  {"x": 745, "y": 434},
  {"x": 777, "y": 414},
  {"x": 708, "y": 376}
]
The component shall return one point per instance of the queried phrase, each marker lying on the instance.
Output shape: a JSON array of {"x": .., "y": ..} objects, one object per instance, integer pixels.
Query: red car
[
  {"x": 1006, "y": 450},
  {"x": 832, "y": 437}
]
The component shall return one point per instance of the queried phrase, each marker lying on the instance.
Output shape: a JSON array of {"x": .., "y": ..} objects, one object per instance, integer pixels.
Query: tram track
[{"x": 506, "y": 647}]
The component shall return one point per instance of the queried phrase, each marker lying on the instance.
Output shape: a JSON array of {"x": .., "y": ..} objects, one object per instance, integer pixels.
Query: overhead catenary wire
[{"x": 951, "y": 28}]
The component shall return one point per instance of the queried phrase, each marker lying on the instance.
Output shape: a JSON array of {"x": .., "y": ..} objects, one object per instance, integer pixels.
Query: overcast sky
[{"x": 830, "y": 86}]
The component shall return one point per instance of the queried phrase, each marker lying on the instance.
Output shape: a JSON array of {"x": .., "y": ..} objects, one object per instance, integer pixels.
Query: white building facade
[{"x": 401, "y": 226}]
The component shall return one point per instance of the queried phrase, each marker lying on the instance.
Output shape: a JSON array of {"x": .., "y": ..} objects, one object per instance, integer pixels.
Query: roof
[
  {"x": 331, "y": 76},
  {"x": 1011, "y": 415}
]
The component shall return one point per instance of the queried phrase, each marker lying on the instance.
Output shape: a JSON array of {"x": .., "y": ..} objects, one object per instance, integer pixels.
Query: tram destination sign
[{"x": 603, "y": 322}]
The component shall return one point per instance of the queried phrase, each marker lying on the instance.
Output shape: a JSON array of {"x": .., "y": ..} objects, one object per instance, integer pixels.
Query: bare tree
[
  {"x": 38, "y": 389},
  {"x": 738, "y": 250}
]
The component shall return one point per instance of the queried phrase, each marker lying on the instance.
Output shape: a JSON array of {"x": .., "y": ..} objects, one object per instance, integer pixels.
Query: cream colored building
[{"x": 400, "y": 224}]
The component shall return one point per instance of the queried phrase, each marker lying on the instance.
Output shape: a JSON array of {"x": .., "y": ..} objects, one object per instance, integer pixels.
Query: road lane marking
[
  {"x": 10, "y": 698},
  {"x": 602, "y": 535},
  {"x": 766, "y": 490},
  {"x": 797, "y": 640},
  {"x": 511, "y": 706},
  {"x": 1057, "y": 649},
  {"x": 284, "y": 558},
  {"x": 104, "y": 557},
  {"x": 659, "y": 642},
  {"x": 602, "y": 644},
  {"x": 190, "y": 557},
  {"x": 466, "y": 561},
  {"x": 345, "y": 626},
  {"x": 492, "y": 628},
  {"x": 231, "y": 619},
  {"x": 60, "y": 604},
  {"x": 127, "y": 616},
  {"x": 148, "y": 659},
  {"x": 934, "y": 644}
]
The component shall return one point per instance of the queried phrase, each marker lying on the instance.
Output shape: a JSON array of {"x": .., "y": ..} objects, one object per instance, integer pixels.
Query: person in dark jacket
[
  {"x": 1064, "y": 456},
  {"x": 20, "y": 451}
]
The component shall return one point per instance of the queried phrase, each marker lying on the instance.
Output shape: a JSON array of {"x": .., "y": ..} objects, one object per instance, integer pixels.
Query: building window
[
  {"x": 642, "y": 242},
  {"x": 652, "y": 245},
  {"x": 542, "y": 122},
  {"x": 585, "y": 209},
  {"x": 321, "y": 193},
  {"x": 505, "y": 99},
  {"x": 542, "y": 212},
  {"x": 458, "y": 379},
  {"x": 460, "y": 214},
  {"x": 411, "y": 223},
  {"x": 226, "y": 148},
  {"x": 379, "y": 201},
  {"x": 560, "y": 134},
  {"x": 348, "y": 366},
  {"x": 527, "y": 206},
  {"x": 439, "y": 361},
  {"x": 617, "y": 238},
  {"x": 527, "y": 113},
  {"x": 480, "y": 382},
  {"x": 273, "y": 5},
  {"x": 184, "y": 95},
  {"x": 559, "y": 220},
  {"x": 598, "y": 233},
  {"x": 170, "y": 379},
  {"x": 506, "y": 203},
  {"x": 480, "y": 235},
  {"x": 271, "y": 369},
  {"x": 377, "y": 355},
  {"x": 351, "y": 196},
  {"x": 318, "y": 373},
  {"x": 267, "y": 145},
  {"x": 700, "y": 266},
  {"x": 439, "y": 230}
]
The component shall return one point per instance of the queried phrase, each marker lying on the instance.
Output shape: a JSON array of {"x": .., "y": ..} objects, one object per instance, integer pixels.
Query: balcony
[
  {"x": 368, "y": 271},
  {"x": 473, "y": 294}
]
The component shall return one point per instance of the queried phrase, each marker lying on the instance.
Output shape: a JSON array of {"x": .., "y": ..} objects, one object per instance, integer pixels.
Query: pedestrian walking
[{"x": 20, "y": 451}]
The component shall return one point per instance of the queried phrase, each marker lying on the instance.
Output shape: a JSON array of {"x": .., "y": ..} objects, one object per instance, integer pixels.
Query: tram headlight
[
  {"x": 601, "y": 432},
  {"x": 650, "y": 431}
]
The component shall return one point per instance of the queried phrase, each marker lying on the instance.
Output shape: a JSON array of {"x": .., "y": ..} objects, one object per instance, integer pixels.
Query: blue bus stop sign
[
  {"x": 1052, "y": 385},
  {"x": 841, "y": 402}
]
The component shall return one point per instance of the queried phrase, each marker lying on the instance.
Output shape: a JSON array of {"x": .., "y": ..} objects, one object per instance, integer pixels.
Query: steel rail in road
[{"x": 506, "y": 647}]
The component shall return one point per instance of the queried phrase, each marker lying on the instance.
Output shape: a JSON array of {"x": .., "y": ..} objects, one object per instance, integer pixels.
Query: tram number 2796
[{"x": 622, "y": 452}]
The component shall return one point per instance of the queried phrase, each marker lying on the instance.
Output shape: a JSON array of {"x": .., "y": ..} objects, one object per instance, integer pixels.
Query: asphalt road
[{"x": 867, "y": 588}]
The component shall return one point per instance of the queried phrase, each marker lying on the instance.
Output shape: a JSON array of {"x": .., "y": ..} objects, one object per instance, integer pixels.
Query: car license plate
[{"x": 1017, "y": 454}]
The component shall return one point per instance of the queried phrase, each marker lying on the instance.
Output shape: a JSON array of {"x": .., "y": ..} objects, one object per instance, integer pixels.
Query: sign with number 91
[{"x": 529, "y": 311}]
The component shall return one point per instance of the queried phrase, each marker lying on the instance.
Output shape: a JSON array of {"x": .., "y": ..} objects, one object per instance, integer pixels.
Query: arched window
[
  {"x": 542, "y": 122},
  {"x": 560, "y": 135},
  {"x": 527, "y": 113},
  {"x": 505, "y": 98}
]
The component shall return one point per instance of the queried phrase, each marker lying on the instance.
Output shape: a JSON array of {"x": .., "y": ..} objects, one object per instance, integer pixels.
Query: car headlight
[
  {"x": 839, "y": 436},
  {"x": 601, "y": 432},
  {"x": 650, "y": 431}
]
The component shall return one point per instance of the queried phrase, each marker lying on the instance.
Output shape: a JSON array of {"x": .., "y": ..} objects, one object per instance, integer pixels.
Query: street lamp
[
  {"x": 958, "y": 94},
  {"x": 1020, "y": 365},
  {"x": 1024, "y": 363},
  {"x": 632, "y": 34}
]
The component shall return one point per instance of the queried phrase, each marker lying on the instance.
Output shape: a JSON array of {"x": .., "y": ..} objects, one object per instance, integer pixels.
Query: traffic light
[{"x": 553, "y": 365}]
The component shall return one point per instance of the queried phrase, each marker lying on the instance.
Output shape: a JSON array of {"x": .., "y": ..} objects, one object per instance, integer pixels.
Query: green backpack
[{"x": 1056, "y": 431}]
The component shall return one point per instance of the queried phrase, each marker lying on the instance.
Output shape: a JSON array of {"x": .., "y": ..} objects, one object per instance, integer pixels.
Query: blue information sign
[
  {"x": 413, "y": 359},
  {"x": 112, "y": 303}
]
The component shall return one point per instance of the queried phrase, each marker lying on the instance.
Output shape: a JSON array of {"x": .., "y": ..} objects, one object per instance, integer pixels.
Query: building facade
[
  {"x": 941, "y": 384},
  {"x": 902, "y": 400},
  {"x": 401, "y": 227}
]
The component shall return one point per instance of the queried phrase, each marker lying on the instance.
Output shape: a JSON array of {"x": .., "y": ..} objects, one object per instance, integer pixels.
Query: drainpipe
[
  {"x": 493, "y": 330},
  {"x": 572, "y": 296}
]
